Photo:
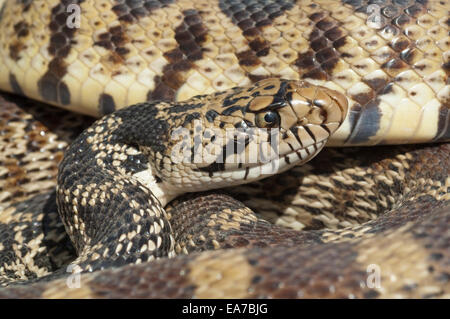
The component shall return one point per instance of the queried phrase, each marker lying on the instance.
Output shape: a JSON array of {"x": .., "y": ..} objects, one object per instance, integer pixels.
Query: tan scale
[{"x": 93, "y": 70}]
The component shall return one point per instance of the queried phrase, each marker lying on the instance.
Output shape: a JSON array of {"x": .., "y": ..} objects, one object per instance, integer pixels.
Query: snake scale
[{"x": 341, "y": 73}]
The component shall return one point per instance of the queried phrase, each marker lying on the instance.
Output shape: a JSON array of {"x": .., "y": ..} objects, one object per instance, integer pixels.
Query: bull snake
[{"x": 395, "y": 76}]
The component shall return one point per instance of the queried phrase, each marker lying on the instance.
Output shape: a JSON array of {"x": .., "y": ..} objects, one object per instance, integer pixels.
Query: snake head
[
  {"x": 305, "y": 116},
  {"x": 248, "y": 133}
]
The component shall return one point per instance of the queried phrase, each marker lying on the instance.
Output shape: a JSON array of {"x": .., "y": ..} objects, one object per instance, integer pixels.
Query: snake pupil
[{"x": 268, "y": 119}]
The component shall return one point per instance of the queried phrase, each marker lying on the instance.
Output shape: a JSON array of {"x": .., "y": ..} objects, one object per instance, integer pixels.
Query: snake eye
[{"x": 268, "y": 119}]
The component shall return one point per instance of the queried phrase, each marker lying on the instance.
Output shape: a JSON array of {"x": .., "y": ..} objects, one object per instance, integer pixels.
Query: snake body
[{"x": 316, "y": 71}]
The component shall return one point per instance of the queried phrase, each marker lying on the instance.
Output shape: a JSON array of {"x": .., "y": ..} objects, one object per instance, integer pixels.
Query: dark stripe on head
[
  {"x": 106, "y": 104},
  {"x": 190, "y": 117},
  {"x": 295, "y": 133},
  {"x": 14, "y": 84},
  {"x": 190, "y": 35},
  {"x": 237, "y": 147},
  {"x": 230, "y": 110},
  {"x": 313, "y": 136},
  {"x": 50, "y": 86},
  {"x": 231, "y": 99},
  {"x": 211, "y": 115}
]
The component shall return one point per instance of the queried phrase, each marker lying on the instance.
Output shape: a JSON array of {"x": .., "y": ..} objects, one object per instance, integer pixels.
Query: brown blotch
[
  {"x": 114, "y": 40},
  {"x": 408, "y": 55},
  {"x": 316, "y": 74},
  {"x": 248, "y": 58},
  {"x": 260, "y": 46},
  {"x": 14, "y": 50},
  {"x": 446, "y": 68},
  {"x": 26, "y": 5},
  {"x": 326, "y": 54},
  {"x": 306, "y": 60},
  {"x": 315, "y": 17},
  {"x": 252, "y": 17},
  {"x": 256, "y": 78},
  {"x": 399, "y": 44},
  {"x": 377, "y": 84},
  {"x": 161, "y": 92},
  {"x": 50, "y": 86},
  {"x": 190, "y": 35},
  {"x": 363, "y": 98},
  {"x": 132, "y": 11},
  {"x": 394, "y": 64},
  {"x": 325, "y": 24},
  {"x": 22, "y": 29},
  {"x": 320, "y": 61},
  {"x": 334, "y": 34}
]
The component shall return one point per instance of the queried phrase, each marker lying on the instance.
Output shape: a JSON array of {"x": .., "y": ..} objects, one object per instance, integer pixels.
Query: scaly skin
[
  {"x": 394, "y": 74},
  {"x": 393, "y": 70}
]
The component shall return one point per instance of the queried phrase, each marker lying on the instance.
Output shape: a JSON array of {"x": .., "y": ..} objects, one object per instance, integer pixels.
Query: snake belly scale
[{"x": 316, "y": 72}]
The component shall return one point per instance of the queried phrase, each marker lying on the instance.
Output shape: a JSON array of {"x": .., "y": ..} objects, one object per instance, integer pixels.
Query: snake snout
[
  {"x": 313, "y": 114},
  {"x": 319, "y": 112}
]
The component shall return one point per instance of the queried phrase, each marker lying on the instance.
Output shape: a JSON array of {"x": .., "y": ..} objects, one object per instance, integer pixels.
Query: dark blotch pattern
[
  {"x": 319, "y": 61},
  {"x": 114, "y": 40},
  {"x": 190, "y": 35},
  {"x": 252, "y": 16},
  {"x": 131, "y": 10},
  {"x": 106, "y": 104},
  {"x": 36, "y": 216},
  {"x": 394, "y": 15},
  {"x": 443, "y": 132},
  {"x": 50, "y": 86}
]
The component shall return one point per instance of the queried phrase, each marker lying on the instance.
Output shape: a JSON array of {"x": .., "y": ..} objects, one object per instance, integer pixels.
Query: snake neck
[{"x": 162, "y": 191}]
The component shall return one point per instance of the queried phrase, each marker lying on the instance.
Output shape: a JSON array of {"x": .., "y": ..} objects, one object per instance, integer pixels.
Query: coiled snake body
[{"x": 345, "y": 72}]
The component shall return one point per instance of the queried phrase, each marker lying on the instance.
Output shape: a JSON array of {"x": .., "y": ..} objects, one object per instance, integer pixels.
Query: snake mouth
[{"x": 232, "y": 172}]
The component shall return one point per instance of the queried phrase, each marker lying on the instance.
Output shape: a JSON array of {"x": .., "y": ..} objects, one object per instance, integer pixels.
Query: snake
[{"x": 133, "y": 209}]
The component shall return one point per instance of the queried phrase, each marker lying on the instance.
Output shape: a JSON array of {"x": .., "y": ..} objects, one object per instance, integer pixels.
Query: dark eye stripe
[{"x": 231, "y": 110}]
